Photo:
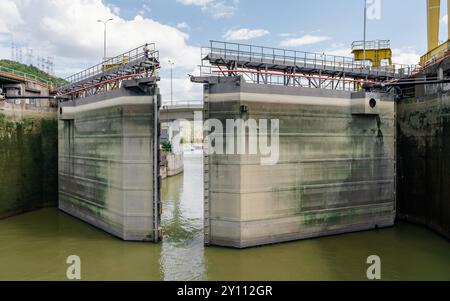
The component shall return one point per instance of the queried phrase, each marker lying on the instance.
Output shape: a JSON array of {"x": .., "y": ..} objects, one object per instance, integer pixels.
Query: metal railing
[
  {"x": 26, "y": 76},
  {"x": 144, "y": 52},
  {"x": 435, "y": 55},
  {"x": 182, "y": 104},
  {"x": 371, "y": 45},
  {"x": 276, "y": 56},
  {"x": 299, "y": 80}
]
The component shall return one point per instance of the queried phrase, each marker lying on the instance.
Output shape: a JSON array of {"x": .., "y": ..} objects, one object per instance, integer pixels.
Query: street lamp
[
  {"x": 365, "y": 31},
  {"x": 171, "y": 81},
  {"x": 104, "y": 36}
]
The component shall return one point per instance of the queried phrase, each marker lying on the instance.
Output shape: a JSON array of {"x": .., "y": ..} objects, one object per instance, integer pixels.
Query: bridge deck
[
  {"x": 180, "y": 110},
  {"x": 8, "y": 75}
]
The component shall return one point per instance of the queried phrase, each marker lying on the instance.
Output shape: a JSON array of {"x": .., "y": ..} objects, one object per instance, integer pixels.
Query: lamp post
[
  {"x": 104, "y": 36},
  {"x": 171, "y": 81},
  {"x": 365, "y": 31}
]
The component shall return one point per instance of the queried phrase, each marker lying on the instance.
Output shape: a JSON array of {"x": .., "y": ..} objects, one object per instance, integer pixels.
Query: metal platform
[
  {"x": 137, "y": 63},
  {"x": 371, "y": 45},
  {"x": 288, "y": 67}
]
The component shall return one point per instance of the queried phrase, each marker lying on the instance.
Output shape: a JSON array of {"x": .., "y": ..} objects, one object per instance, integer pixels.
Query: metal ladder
[{"x": 206, "y": 174}]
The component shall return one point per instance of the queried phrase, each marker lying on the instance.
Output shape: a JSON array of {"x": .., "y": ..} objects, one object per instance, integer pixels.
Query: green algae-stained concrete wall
[
  {"x": 424, "y": 158},
  {"x": 107, "y": 172},
  {"x": 335, "y": 174},
  {"x": 28, "y": 159}
]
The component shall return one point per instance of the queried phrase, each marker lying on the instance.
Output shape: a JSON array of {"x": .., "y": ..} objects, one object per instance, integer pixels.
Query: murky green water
[{"x": 35, "y": 246}]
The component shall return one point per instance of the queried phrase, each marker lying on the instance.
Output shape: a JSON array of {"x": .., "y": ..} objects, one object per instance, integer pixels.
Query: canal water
[{"x": 35, "y": 246}]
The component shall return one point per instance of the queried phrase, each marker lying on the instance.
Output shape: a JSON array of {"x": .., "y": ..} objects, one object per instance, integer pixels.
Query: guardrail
[
  {"x": 182, "y": 104},
  {"x": 261, "y": 54},
  {"x": 26, "y": 76},
  {"x": 145, "y": 51},
  {"x": 371, "y": 45}
]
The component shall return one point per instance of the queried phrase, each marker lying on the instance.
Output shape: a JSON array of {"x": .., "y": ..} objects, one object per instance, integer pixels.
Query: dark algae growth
[
  {"x": 28, "y": 163},
  {"x": 424, "y": 160}
]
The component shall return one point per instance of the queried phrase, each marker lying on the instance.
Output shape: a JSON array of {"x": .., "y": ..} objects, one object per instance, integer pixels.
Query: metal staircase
[{"x": 141, "y": 62}]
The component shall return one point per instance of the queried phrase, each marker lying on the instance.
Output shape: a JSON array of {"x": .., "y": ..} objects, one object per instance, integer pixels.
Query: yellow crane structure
[
  {"x": 373, "y": 51},
  {"x": 436, "y": 51}
]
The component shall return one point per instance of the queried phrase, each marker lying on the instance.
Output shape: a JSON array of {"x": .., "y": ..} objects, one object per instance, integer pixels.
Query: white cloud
[
  {"x": 405, "y": 56},
  {"x": 304, "y": 40},
  {"x": 5, "y": 52},
  {"x": 183, "y": 25},
  {"x": 9, "y": 15},
  {"x": 146, "y": 8},
  {"x": 345, "y": 52},
  {"x": 68, "y": 30},
  {"x": 114, "y": 8},
  {"x": 444, "y": 20},
  {"x": 201, "y": 3},
  {"x": 217, "y": 8},
  {"x": 286, "y": 35},
  {"x": 183, "y": 89},
  {"x": 243, "y": 34}
]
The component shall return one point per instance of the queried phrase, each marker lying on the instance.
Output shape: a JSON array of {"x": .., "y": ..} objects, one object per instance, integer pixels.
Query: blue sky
[
  {"x": 68, "y": 30},
  {"x": 402, "y": 21}
]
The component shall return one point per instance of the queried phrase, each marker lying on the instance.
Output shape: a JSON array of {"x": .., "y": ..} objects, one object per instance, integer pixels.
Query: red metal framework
[
  {"x": 297, "y": 79},
  {"x": 141, "y": 62},
  {"x": 264, "y": 65}
]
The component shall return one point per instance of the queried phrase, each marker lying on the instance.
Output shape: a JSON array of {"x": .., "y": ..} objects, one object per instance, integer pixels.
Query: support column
[
  {"x": 433, "y": 14},
  {"x": 448, "y": 15}
]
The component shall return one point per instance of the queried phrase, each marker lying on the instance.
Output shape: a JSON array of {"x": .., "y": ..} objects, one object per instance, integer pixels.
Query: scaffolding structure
[
  {"x": 266, "y": 65},
  {"x": 141, "y": 62}
]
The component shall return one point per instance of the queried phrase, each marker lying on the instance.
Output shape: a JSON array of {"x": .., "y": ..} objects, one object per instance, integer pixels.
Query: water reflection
[
  {"x": 182, "y": 254},
  {"x": 35, "y": 246}
]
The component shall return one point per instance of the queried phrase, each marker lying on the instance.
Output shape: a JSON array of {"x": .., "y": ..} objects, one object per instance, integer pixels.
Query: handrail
[
  {"x": 260, "y": 54},
  {"x": 25, "y": 76},
  {"x": 371, "y": 45},
  {"x": 122, "y": 59},
  {"x": 182, "y": 104}
]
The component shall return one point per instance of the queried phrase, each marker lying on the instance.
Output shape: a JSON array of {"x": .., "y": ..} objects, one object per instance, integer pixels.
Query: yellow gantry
[
  {"x": 433, "y": 16},
  {"x": 373, "y": 51},
  {"x": 435, "y": 51}
]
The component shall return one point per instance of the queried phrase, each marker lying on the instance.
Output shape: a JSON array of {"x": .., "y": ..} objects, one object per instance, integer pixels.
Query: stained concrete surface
[
  {"x": 107, "y": 166},
  {"x": 424, "y": 158},
  {"x": 336, "y": 170},
  {"x": 28, "y": 158}
]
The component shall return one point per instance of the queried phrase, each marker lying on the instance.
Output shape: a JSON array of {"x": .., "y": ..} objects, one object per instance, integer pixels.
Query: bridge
[
  {"x": 17, "y": 83},
  {"x": 180, "y": 110}
]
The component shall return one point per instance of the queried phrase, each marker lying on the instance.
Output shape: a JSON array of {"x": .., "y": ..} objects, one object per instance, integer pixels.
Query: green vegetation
[
  {"x": 32, "y": 70},
  {"x": 166, "y": 146}
]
